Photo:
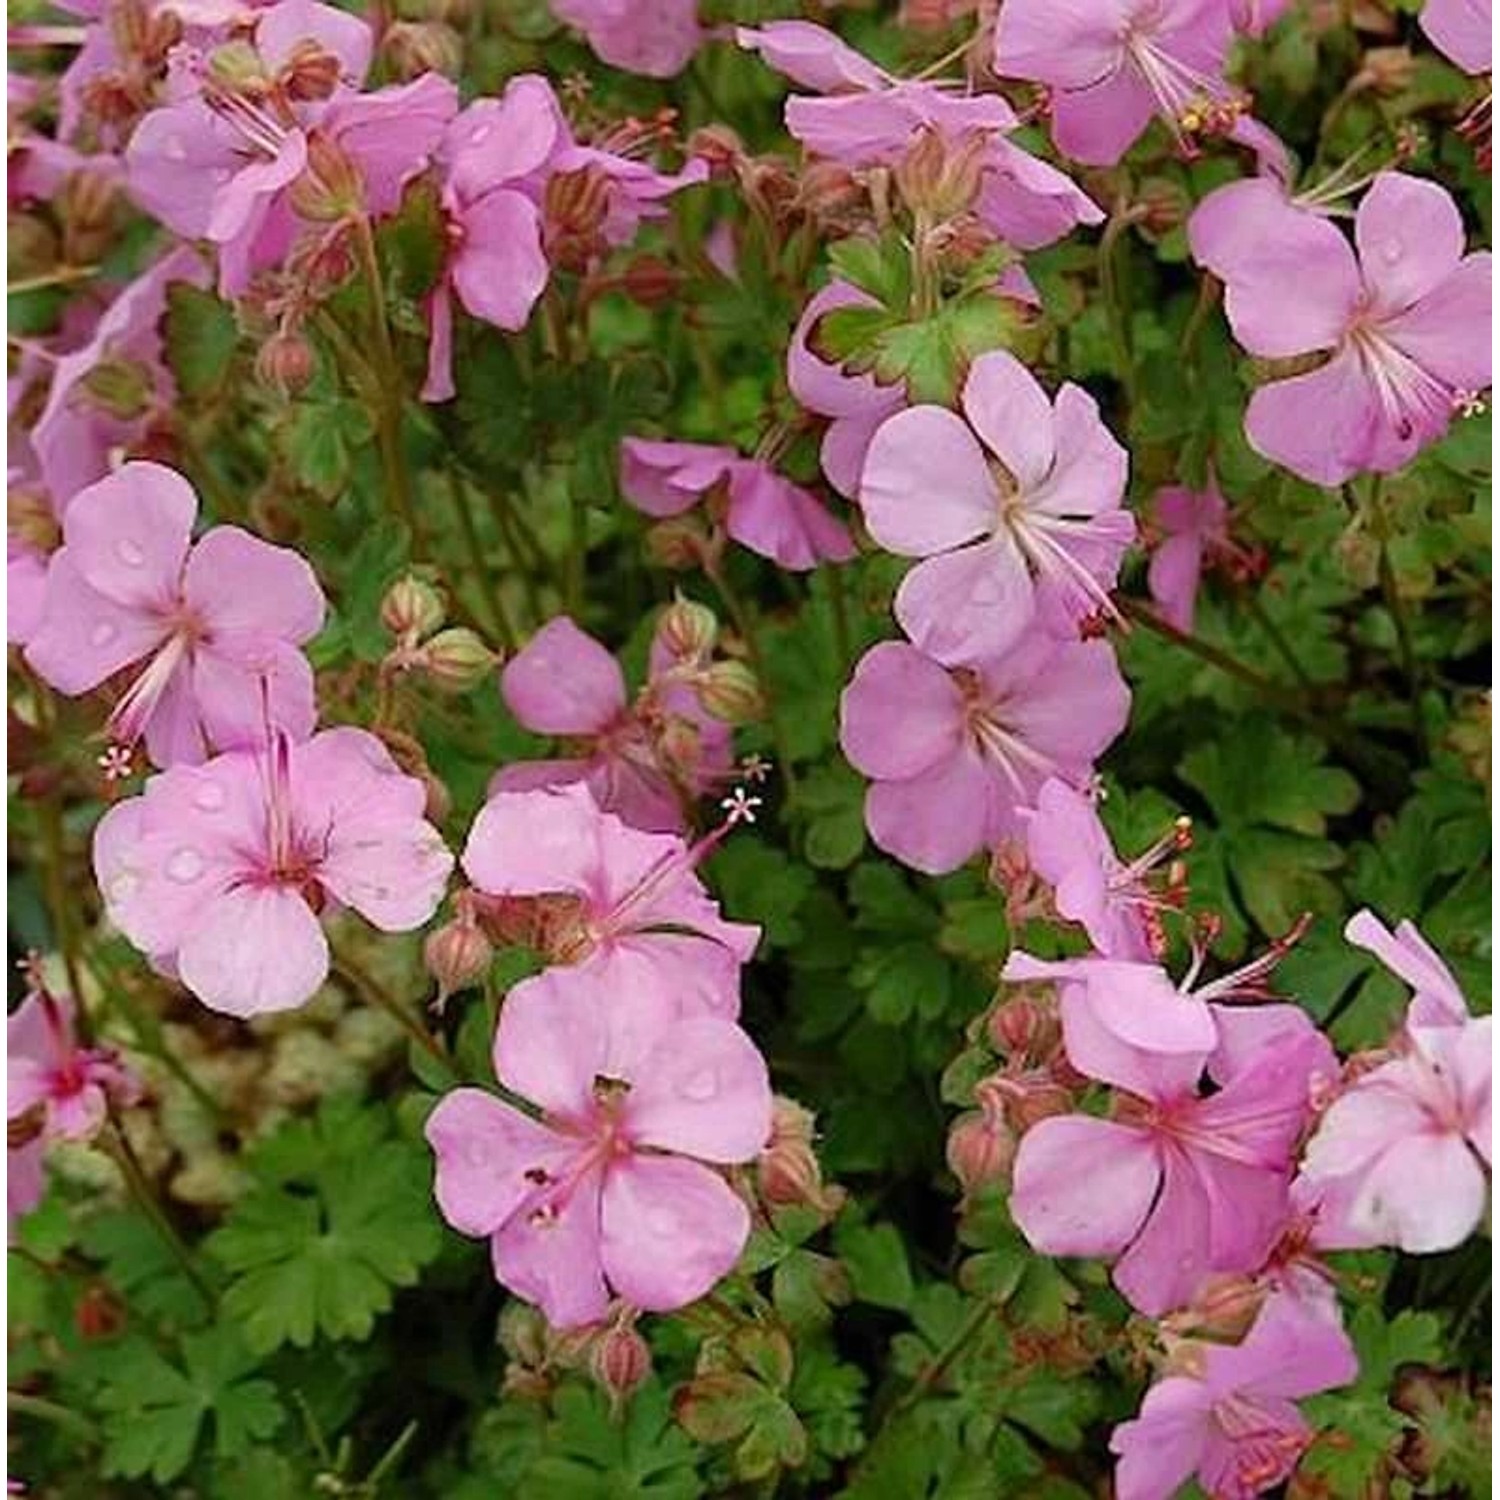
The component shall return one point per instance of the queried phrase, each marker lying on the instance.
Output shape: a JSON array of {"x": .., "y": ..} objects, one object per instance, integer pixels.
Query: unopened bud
[
  {"x": 829, "y": 192},
  {"x": 285, "y": 363},
  {"x": 688, "y": 630},
  {"x": 120, "y": 387},
  {"x": 1024, "y": 1026},
  {"x": 311, "y": 72},
  {"x": 1165, "y": 204},
  {"x": 1037, "y": 1100},
  {"x": 417, "y": 47},
  {"x": 1223, "y": 1308},
  {"x": 729, "y": 691},
  {"x": 787, "y": 1171},
  {"x": 89, "y": 207},
  {"x": 99, "y": 1314},
  {"x": 980, "y": 1150},
  {"x": 680, "y": 746},
  {"x": 29, "y": 518},
  {"x": 718, "y": 145},
  {"x": 238, "y": 67},
  {"x": 1388, "y": 70},
  {"x": 621, "y": 1361},
  {"x": 680, "y": 543},
  {"x": 457, "y": 956},
  {"x": 458, "y": 660},
  {"x": 650, "y": 281},
  {"x": 412, "y": 608},
  {"x": 938, "y": 177},
  {"x": 331, "y": 188}
]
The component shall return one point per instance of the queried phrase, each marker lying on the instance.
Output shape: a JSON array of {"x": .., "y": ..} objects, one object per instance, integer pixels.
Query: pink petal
[
  {"x": 1011, "y": 413},
  {"x": 254, "y": 950},
  {"x": 1083, "y": 1186},
  {"x": 246, "y": 683},
  {"x": 174, "y": 731},
  {"x": 1127, "y": 1024},
  {"x": 1169, "y": 1260},
  {"x": 1065, "y": 699},
  {"x": 926, "y": 484},
  {"x": 280, "y": 29},
  {"x": 938, "y": 819},
  {"x": 1160, "y": 1450},
  {"x": 782, "y": 521},
  {"x": 1409, "y": 956},
  {"x": 665, "y": 478},
  {"x": 1427, "y": 1193},
  {"x": 704, "y": 1092},
  {"x": 128, "y": 534},
  {"x": 236, "y": 582},
  {"x": 1067, "y": 43},
  {"x": 1461, "y": 30},
  {"x": 1348, "y": 437},
  {"x": 846, "y": 443},
  {"x": 240, "y": 205},
  {"x": 25, "y": 591},
  {"x": 347, "y": 775},
  {"x": 484, "y": 1150},
  {"x": 811, "y": 56},
  {"x": 503, "y": 140},
  {"x": 563, "y": 682},
  {"x": 554, "y": 1260},
  {"x": 500, "y": 270},
  {"x": 438, "y": 385},
  {"x": 671, "y": 1231},
  {"x": 84, "y": 637},
  {"x": 1098, "y": 124},
  {"x": 1176, "y": 567},
  {"x": 1410, "y": 239},
  {"x": 534, "y": 843},
  {"x": 173, "y": 156},
  {"x": 1087, "y": 475},
  {"x": 1438, "y": 333},
  {"x": 901, "y": 713},
  {"x": 969, "y": 605},
  {"x": 392, "y": 134},
  {"x": 1291, "y": 1352},
  {"x": 702, "y": 974},
  {"x": 391, "y": 869}
]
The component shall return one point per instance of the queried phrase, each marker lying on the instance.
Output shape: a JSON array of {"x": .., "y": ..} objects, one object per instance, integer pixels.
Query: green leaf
[
  {"x": 875, "y": 1256},
  {"x": 201, "y": 337}
]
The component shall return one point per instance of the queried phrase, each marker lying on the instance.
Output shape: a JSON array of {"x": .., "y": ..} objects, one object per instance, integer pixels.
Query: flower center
[{"x": 1413, "y": 401}]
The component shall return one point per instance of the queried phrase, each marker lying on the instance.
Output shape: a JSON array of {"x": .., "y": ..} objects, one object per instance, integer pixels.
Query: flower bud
[
  {"x": 417, "y": 47},
  {"x": 729, "y": 691},
  {"x": 1166, "y": 205},
  {"x": 680, "y": 543},
  {"x": 650, "y": 281},
  {"x": 787, "y": 1171},
  {"x": 285, "y": 363},
  {"x": 237, "y": 66},
  {"x": 1223, "y": 1308},
  {"x": 30, "y": 519},
  {"x": 458, "y": 660},
  {"x": 980, "y": 1150},
  {"x": 687, "y": 629},
  {"x": 98, "y": 1313},
  {"x": 621, "y": 1361},
  {"x": 457, "y": 955},
  {"x": 89, "y": 208},
  {"x": 679, "y": 747},
  {"x": 331, "y": 188},
  {"x": 1388, "y": 70},
  {"x": 412, "y": 608},
  {"x": 1024, "y": 1026},
  {"x": 311, "y": 72},
  {"x": 938, "y": 178}
]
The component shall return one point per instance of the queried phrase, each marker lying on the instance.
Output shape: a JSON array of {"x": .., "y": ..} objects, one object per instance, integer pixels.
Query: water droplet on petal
[
  {"x": 123, "y": 886},
  {"x": 209, "y": 797},
  {"x": 1391, "y": 252},
  {"x": 130, "y": 553},
  {"x": 662, "y": 1222},
  {"x": 174, "y": 150},
  {"x": 102, "y": 634},
  {"x": 185, "y": 866},
  {"x": 478, "y": 134},
  {"x": 701, "y": 1087}
]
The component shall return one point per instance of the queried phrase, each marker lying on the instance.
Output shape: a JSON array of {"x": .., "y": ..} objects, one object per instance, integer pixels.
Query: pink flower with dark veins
[
  {"x": 217, "y": 623},
  {"x": 1114, "y": 65},
  {"x": 219, "y": 872},
  {"x": 623, "y": 909},
  {"x": 1395, "y": 316},
  {"x": 1229, "y": 1416},
  {"x": 1015, "y": 509},
  {"x": 616, "y": 1187},
  {"x": 957, "y": 755}
]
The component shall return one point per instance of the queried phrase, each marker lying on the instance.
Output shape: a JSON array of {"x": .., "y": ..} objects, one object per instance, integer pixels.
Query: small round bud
[
  {"x": 1024, "y": 1026},
  {"x": 1166, "y": 204},
  {"x": 412, "y": 608},
  {"x": 621, "y": 1361},
  {"x": 331, "y": 188},
  {"x": 1223, "y": 1308},
  {"x": 651, "y": 281},
  {"x": 98, "y": 1313},
  {"x": 939, "y": 178},
  {"x": 458, "y": 660},
  {"x": 457, "y": 955},
  {"x": 729, "y": 691},
  {"x": 285, "y": 363},
  {"x": 687, "y": 629},
  {"x": 980, "y": 1150},
  {"x": 417, "y": 47},
  {"x": 311, "y": 72}
]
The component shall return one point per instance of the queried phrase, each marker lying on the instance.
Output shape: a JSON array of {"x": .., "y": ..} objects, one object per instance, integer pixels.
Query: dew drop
[
  {"x": 209, "y": 797},
  {"x": 130, "y": 553},
  {"x": 185, "y": 866},
  {"x": 102, "y": 634},
  {"x": 1391, "y": 252},
  {"x": 478, "y": 134},
  {"x": 174, "y": 150},
  {"x": 701, "y": 1087},
  {"x": 663, "y": 1222},
  {"x": 123, "y": 886}
]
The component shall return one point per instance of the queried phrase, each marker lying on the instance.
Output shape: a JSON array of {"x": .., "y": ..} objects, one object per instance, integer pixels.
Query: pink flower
[
  {"x": 1461, "y": 30},
  {"x": 1402, "y": 1156},
  {"x": 1402, "y": 324},
  {"x": 68, "y": 1086},
  {"x": 25, "y": 1183},
  {"x": 931, "y": 488},
  {"x": 106, "y": 394},
  {"x": 1195, "y": 523},
  {"x": 872, "y": 119},
  {"x": 25, "y": 589},
  {"x": 1114, "y": 902},
  {"x": 608, "y": 1191},
  {"x": 217, "y": 623},
  {"x": 495, "y": 155},
  {"x": 219, "y": 872},
  {"x": 1255, "y": 17},
  {"x": 956, "y": 755},
  {"x": 624, "y": 908},
  {"x": 564, "y": 683},
  {"x": 1113, "y": 65},
  {"x": 857, "y": 404},
  {"x": 1232, "y": 1421},
  {"x": 654, "y": 37},
  {"x": 1178, "y": 1184},
  {"x": 764, "y": 511}
]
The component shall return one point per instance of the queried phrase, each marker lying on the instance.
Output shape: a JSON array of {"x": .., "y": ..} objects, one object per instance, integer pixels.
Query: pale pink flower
[
  {"x": 855, "y": 404},
  {"x": 656, "y": 38},
  {"x": 625, "y": 909},
  {"x": 25, "y": 589},
  {"x": 25, "y": 1183},
  {"x": 1462, "y": 30},
  {"x": 1114, "y": 902},
  {"x": 1233, "y": 1421},
  {"x": 763, "y": 510},
  {"x": 1402, "y": 1156},
  {"x": 1178, "y": 1184},
  {"x": 219, "y": 872},
  {"x": 871, "y": 119},
  {"x": 564, "y": 683},
  {"x": 217, "y": 623},
  {"x": 608, "y": 1192},
  {"x": 1113, "y": 65},
  {"x": 1024, "y": 489},
  {"x": 69, "y": 1086},
  {"x": 495, "y": 156},
  {"x": 1403, "y": 324},
  {"x": 1195, "y": 526},
  {"x": 106, "y": 394},
  {"x": 956, "y": 755}
]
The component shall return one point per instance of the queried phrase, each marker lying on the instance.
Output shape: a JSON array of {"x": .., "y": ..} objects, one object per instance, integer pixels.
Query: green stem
[
  {"x": 578, "y": 543},
  {"x": 50, "y": 1411},
  {"x": 370, "y": 990},
  {"x": 1272, "y": 692},
  {"x": 944, "y": 1360},
  {"x": 842, "y": 642},
  {"x": 1409, "y": 666},
  {"x": 1116, "y": 304},
  {"x": 1277, "y": 637},
  {"x": 467, "y": 523}
]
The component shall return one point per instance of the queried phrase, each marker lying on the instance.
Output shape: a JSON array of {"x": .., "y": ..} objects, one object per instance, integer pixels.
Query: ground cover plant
[{"x": 749, "y": 749}]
